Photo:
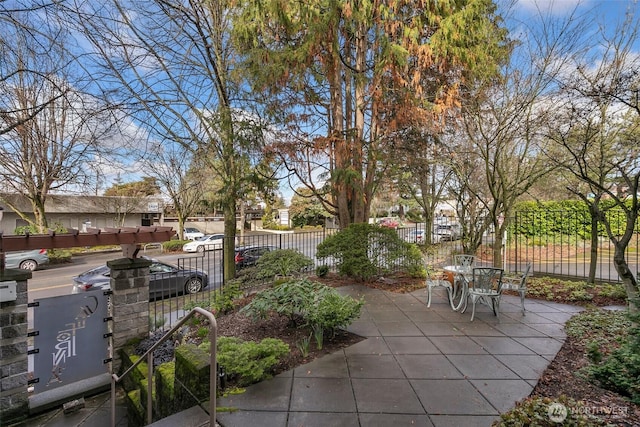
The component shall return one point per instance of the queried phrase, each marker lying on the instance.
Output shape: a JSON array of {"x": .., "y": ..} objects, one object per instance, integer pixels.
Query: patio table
[{"x": 462, "y": 277}]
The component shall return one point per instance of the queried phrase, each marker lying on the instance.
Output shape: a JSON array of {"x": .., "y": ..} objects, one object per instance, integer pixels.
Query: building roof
[{"x": 62, "y": 203}]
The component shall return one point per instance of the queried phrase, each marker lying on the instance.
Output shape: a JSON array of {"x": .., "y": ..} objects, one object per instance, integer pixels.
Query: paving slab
[
  {"x": 458, "y": 345},
  {"x": 411, "y": 345},
  {"x": 321, "y": 419},
  {"x": 373, "y": 366},
  {"x": 452, "y": 397},
  {"x": 322, "y": 395},
  {"x": 271, "y": 395},
  {"x": 481, "y": 366},
  {"x": 503, "y": 393},
  {"x": 395, "y": 396},
  {"x": 528, "y": 367},
  {"x": 505, "y": 345},
  {"x": 372, "y": 345},
  {"x": 429, "y": 366},
  {"x": 398, "y": 329},
  {"x": 329, "y": 366}
]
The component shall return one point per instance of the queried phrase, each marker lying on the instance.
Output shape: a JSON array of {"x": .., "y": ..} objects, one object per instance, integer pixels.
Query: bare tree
[
  {"x": 600, "y": 131},
  {"x": 502, "y": 120},
  {"x": 181, "y": 178},
  {"x": 22, "y": 33},
  {"x": 51, "y": 127},
  {"x": 172, "y": 63}
]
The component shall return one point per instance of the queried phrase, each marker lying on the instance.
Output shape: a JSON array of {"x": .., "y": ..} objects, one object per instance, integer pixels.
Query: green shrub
[
  {"x": 580, "y": 295},
  {"x": 363, "y": 251},
  {"x": 291, "y": 299},
  {"x": 59, "y": 256},
  {"x": 282, "y": 262},
  {"x": 248, "y": 362},
  {"x": 219, "y": 302},
  {"x": 174, "y": 245},
  {"x": 620, "y": 372},
  {"x": 247, "y": 280},
  {"x": 225, "y": 302},
  {"x": 535, "y": 412},
  {"x": 330, "y": 310},
  {"x": 322, "y": 270},
  {"x": 313, "y": 303}
]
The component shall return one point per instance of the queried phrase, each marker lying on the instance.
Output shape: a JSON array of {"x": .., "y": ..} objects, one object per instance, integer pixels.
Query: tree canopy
[{"x": 346, "y": 79}]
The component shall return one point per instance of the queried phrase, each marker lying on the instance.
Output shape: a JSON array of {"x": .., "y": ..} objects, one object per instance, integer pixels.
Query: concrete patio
[{"x": 418, "y": 366}]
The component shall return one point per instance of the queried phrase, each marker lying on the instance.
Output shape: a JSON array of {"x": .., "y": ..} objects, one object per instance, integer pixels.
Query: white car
[
  {"x": 191, "y": 233},
  {"x": 415, "y": 236},
  {"x": 207, "y": 243},
  {"x": 445, "y": 232}
]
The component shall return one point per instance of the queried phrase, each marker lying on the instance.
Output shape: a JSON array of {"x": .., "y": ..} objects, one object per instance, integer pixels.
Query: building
[{"x": 83, "y": 212}]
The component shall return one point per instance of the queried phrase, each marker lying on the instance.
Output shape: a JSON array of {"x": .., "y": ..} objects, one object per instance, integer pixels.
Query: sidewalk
[{"x": 418, "y": 366}]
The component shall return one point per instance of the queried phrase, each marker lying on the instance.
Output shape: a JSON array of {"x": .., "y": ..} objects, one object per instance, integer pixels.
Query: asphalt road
[{"x": 56, "y": 279}]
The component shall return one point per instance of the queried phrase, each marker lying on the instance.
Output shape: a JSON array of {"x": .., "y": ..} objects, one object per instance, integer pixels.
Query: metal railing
[{"x": 148, "y": 356}]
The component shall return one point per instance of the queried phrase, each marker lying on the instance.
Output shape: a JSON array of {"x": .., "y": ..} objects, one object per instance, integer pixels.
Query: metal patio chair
[
  {"x": 487, "y": 286},
  {"x": 464, "y": 261},
  {"x": 461, "y": 280},
  {"x": 434, "y": 281},
  {"x": 518, "y": 284}
]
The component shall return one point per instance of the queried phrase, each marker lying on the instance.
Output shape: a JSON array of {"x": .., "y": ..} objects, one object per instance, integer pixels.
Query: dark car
[
  {"x": 249, "y": 255},
  {"x": 26, "y": 260},
  {"x": 166, "y": 280}
]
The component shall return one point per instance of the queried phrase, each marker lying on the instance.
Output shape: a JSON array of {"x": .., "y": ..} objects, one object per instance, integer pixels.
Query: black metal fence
[
  {"x": 556, "y": 244},
  {"x": 559, "y": 243}
]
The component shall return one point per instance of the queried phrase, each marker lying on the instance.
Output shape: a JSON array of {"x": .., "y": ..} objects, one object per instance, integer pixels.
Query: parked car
[
  {"x": 445, "y": 232},
  {"x": 192, "y": 233},
  {"x": 166, "y": 280},
  {"x": 415, "y": 236},
  {"x": 26, "y": 260},
  {"x": 389, "y": 223},
  {"x": 249, "y": 255},
  {"x": 207, "y": 243}
]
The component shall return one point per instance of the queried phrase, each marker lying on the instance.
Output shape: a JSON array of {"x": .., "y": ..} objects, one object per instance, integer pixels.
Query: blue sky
[{"x": 609, "y": 13}]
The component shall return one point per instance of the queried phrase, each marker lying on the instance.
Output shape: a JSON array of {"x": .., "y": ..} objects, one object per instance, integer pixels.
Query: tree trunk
[
  {"x": 229, "y": 246},
  {"x": 180, "y": 227},
  {"x": 39, "y": 214},
  {"x": 593, "y": 261},
  {"x": 629, "y": 281},
  {"x": 498, "y": 242}
]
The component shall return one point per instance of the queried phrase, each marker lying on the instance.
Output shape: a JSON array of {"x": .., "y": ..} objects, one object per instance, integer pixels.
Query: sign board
[
  {"x": 8, "y": 291},
  {"x": 153, "y": 207},
  {"x": 71, "y": 344},
  {"x": 283, "y": 214}
]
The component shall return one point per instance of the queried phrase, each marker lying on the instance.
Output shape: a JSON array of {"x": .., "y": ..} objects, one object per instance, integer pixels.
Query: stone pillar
[
  {"x": 14, "y": 398},
  {"x": 129, "y": 303}
]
